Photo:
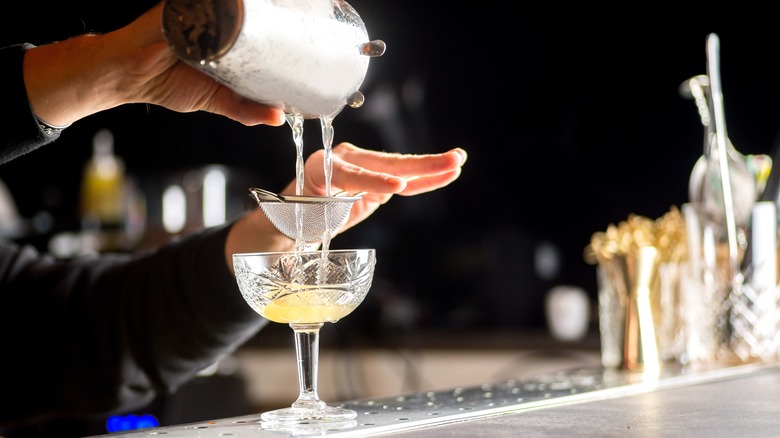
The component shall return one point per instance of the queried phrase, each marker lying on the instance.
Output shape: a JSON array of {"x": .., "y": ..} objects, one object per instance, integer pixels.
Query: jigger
[{"x": 308, "y": 57}]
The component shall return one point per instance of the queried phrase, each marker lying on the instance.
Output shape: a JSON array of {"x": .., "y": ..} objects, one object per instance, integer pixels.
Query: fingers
[
  {"x": 349, "y": 177},
  {"x": 430, "y": 183},
  {"x": 165, "y": 80},
  {"x": 380, "y": 175},
  {"x": 245, "y": 111},
  {"x": 357, "y": 170},
  {"x": 362, "y": 170},
  {"x": 403, "y": 165}
]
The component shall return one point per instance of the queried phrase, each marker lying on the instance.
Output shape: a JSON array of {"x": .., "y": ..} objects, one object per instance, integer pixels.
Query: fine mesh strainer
[{"x": 318, "y": 214}]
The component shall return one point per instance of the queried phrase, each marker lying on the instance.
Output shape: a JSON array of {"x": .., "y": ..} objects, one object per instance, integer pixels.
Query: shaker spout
[
  {"x": 356, "y": 99},
  {"x": 373, "y": 48}
]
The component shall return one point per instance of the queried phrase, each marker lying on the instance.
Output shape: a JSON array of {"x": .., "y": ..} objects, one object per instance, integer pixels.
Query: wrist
[{"x": 255, "y": 233}]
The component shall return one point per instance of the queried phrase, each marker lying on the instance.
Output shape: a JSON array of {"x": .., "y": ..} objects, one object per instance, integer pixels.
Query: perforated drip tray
[{"x": 427, "y": 409}]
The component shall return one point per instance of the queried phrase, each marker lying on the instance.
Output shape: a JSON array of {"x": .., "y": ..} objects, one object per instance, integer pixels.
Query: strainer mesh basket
[{"x": 305, "y": 218}]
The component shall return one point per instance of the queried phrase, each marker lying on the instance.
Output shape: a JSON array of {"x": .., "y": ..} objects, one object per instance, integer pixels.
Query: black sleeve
[
  {"x": 21, "y": 131},
  {"x": 97, "y": 335}
]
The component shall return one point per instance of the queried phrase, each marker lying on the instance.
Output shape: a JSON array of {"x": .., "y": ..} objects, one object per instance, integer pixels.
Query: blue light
[{"x": 131, "y": 422}]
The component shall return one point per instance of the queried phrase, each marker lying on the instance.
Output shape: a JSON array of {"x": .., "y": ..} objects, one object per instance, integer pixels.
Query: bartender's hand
[
  {"x": 380, "y": 174},
  {"x": 72, "y": 79}
]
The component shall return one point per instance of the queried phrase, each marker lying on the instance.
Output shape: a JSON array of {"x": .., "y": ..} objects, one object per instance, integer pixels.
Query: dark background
[
  {"x": 571, "y": 124},
  {"x": 572, "y": 120}
]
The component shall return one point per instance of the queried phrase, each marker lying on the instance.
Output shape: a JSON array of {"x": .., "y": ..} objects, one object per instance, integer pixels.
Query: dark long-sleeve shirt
[
  {"x": 22, "y": 131},
  {"x": 95, "y": 335}
]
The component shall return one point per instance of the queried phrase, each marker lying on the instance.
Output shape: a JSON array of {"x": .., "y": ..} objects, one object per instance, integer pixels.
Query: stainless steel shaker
[{"x": 308, "y": 57}]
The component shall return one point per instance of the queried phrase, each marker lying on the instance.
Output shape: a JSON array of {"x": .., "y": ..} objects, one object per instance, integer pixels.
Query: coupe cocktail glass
[{"x": 306, "y": 290}]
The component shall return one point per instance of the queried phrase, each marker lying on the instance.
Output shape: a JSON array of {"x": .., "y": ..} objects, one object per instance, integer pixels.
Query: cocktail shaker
[{"x": 309, "y": 57}]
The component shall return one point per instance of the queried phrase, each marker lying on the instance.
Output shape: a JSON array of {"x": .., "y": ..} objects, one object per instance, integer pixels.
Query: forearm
[{"x": 71, "y": 79}]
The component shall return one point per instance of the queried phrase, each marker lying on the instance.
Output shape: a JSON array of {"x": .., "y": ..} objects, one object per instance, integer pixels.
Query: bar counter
[{"x": 729, "y": 401}]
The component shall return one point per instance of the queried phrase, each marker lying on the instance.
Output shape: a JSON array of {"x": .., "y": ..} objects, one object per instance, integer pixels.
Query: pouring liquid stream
[{"x": 296, "y": 121}]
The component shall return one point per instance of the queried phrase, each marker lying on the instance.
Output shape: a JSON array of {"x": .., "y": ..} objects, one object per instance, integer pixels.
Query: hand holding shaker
[{"x": 308, "y": 57}]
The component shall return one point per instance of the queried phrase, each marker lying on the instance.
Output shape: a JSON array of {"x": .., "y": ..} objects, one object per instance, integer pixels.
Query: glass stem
[{"x": 307, "y": 350}]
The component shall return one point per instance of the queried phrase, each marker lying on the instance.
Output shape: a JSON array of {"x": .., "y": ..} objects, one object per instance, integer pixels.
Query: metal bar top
[{"x": 510, "y": 407}]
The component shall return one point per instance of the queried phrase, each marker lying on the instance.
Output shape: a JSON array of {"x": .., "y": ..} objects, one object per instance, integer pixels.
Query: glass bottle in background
[{"x": 103, "y": 207}]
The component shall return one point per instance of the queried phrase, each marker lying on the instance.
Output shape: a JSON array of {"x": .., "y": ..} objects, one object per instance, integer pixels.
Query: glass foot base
[
  {"x": 317, "y": 428},
  {"x": 294, "y": 415}
]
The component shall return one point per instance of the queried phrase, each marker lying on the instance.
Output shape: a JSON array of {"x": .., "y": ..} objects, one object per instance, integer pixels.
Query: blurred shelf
[{"x": 333, "y": 336}]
